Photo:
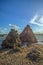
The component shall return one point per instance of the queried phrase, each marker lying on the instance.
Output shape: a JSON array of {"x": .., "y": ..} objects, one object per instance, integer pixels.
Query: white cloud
[
  {"x": 15, "y": 27},
  {"x": 41, "y": 20},
  {"x": 37, "y": 19},
  {"x": 3, "y": 30},
  {"x": 33, "y": 19},
  {"x": 9, "y": 24}
]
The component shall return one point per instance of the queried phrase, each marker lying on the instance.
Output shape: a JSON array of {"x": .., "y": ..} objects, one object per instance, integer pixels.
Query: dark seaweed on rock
[{"x": 33, "y": 55}]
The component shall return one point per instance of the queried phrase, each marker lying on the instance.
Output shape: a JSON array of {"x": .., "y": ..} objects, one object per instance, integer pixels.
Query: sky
[{"x": 19, "y": 13}]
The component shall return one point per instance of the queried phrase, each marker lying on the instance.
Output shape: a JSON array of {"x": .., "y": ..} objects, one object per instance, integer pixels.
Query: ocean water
[
  {"x": 38, "y": 37},
  {"x": 1, "y": 40}
]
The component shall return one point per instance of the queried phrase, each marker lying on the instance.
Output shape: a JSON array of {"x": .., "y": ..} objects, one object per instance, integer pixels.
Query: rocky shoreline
[{"x": 23, "y": 56}]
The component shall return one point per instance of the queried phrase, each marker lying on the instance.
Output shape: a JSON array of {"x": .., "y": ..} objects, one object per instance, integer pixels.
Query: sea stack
[
  {"x": 11, "y": 39},
  {"x": 27, "y": 35}
]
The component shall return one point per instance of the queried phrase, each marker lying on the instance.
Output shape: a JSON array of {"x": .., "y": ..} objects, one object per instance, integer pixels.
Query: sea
[
  {"x": 1, "y": 39},
  {"x": 39, "y": 38}
]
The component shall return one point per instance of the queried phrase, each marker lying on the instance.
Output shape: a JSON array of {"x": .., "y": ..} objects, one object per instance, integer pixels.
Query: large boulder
[
  {"x": 27, "y": 35},
  {"x": 11, "y": 39}
]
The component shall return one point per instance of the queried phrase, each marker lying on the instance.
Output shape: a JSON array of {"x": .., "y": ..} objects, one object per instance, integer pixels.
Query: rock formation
[
  {"x": 27, "y": 35},
  {"x": 11, "y": 39},
  {"x": 14, "y": 39}
]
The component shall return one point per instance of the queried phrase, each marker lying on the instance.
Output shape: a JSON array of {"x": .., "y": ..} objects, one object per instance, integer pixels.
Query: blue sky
[{"x": 19, "y": 13}]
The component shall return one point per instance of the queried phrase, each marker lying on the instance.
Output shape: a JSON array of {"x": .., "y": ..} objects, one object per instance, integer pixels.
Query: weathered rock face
[
  {"x": 34, "y": 55},
  {"x": 27, "y": 35},
  {"x": 11, "y": 39}
]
